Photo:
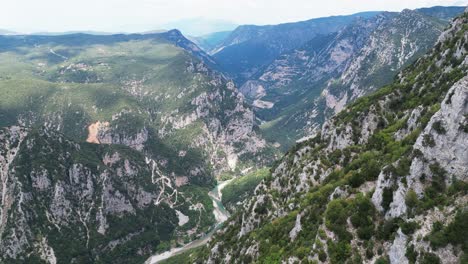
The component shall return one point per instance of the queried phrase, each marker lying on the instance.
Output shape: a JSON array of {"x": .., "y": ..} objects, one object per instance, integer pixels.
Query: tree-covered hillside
[
  {"x": 110, "y": 145},
  {"x": 384, "y": 182}
]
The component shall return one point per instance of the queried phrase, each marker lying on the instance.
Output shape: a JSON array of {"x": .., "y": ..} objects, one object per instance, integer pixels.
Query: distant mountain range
[
  {"x": 198, "y": 27},
  {"x": 210, "y": 41},
  {"x": 297, "y": 75},
  {"x": 250, "y": 47},
  {"x": 110, "y": 144},
  {"x": 7, "y": 32}
]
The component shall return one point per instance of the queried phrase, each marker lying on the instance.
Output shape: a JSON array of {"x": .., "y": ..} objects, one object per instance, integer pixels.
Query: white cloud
[{"x": 139, "y": 15}]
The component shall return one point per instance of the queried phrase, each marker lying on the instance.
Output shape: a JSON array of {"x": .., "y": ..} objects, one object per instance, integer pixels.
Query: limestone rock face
[
  {"x": 398, "y": 249},
  {"x": 358, "y": 187},
  {"x": 317, "y": 80},
  {"x": 84, "y": 196},
  {"x": 157, "y": 93},
  {"x": 448, "y": 131}
]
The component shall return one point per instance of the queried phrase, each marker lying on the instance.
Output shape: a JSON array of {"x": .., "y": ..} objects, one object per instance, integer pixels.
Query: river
[{"x": 221, "y": 215}]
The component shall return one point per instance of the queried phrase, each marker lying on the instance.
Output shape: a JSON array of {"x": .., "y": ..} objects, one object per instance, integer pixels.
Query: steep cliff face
[
  {"x": 110, "y": 144},
  {"x": 249, "y": 48},
  {"x": 393, "y": 44},
  {"x": 148, "y": 92},
  {"x": 62, "y": 201},
  {"x": 384, "y": 181},
  {"x": 308, "y": 85}
]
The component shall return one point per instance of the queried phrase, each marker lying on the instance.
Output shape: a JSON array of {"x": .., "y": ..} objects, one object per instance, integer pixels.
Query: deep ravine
[{"x": 221, "y": 215}]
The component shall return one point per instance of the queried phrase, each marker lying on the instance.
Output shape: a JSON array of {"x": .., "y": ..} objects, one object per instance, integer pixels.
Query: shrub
[
  {"x": 429, "y": 258},
  {"x": 382, "y": 260},
  {"x": 438, "y": 177},
  {"x": 409, "y": 227},
  {"x": 322, "y": 255},
  {"x": 464, "y": 126},
  {"x": 411, "y": 254},
  {"x": 369, "y": 249},
  {"x": 387, "y": 198},
  {"x": 411, "y": 199},
  {"x": 336, "y": 215},
  {"x": 356, "y": 180},
  {"x": 387, "y": 229},
  {"x": 363, "y": 216},
  {"x": 455, "y": 233},
  {"x": 438, "y": 126},
  {"x": 428, "y": 141},
  {"x": 339, "y": 252}
]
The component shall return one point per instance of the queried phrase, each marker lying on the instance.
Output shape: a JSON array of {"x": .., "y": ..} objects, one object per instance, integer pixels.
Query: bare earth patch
[{"x": 93, "y": 131}]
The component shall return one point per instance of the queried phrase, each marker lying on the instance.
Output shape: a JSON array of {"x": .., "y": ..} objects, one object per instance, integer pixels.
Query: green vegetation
[
  {"x": 439, "y": 127},
  {"x": 455, "y": 233},
  {"x": 142, "y": 85},
  {"x": 148, "y": 227},
  {"x": 429, "y": 258},
  {"x": 202, "y": 219},
  {"x": 363, "y": 217},
  {"x": 242, "y": 187},
  {"x": 338, "y": 228}
]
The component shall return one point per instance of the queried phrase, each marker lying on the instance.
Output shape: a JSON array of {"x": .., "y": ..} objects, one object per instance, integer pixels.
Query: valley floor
[{"x": 221, "y": 215}]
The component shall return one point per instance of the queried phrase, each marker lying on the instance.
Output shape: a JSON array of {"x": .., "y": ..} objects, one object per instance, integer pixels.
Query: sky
[{"x": 28, "y": 16}]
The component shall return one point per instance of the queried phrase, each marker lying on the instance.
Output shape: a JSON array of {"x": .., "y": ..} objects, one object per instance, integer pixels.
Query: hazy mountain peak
[{"x": 200, "y": 26}]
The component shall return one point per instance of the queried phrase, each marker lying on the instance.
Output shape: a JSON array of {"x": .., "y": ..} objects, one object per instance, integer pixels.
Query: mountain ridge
[
  {"x": 306, "y": 86},
  {"x": 107, "y": 142},
  {"x": 384, "y": 182}
]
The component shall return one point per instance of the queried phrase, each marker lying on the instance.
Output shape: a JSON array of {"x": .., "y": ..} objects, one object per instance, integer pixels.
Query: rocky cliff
[
  {"x": 110, "y": 144},
  {"x": 66, "y": 202},
  {"x": 148, "y": 92},
  {"x": 305, "y": 87},
  {"x": 249, "y": 48},
  {"x": 383, "y": 182}
]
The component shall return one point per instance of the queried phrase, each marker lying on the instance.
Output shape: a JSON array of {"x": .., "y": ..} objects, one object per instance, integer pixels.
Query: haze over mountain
[
  {"x": 6, "y": 32},
  {"x": 336, "y": 139},
  {"x": 145, "y": 15},
  {"x": 198, "y": 27}
]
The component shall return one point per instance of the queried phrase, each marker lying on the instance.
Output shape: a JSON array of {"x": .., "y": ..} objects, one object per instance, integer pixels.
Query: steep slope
[
  {"x": 442, "y": 12},
  {"x": 305, "y": 87},
  {"x": 151, "y": 92},
  {"x": 384, "y": 181},
  {"x": 250, "y": 47},
  {"x": 110, "y": 145},
  {"x": 65, "y": 202}
]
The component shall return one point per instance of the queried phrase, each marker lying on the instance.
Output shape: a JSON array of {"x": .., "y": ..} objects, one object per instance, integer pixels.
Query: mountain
[
  {"x": 198, "y": 27},
  {"x": 65, "y": 202},
  {"x": 110, "y": 144},
  {"x": 300, "y": 89},
  {"x": 87, "y": 32},
  {"x": 384, "y": 182},
  {"x": 7, "y": 32},
  {"x": 210, "y": 41},
  {"x": 250, "y": 47},
  {"x": 442, "y": 12}
]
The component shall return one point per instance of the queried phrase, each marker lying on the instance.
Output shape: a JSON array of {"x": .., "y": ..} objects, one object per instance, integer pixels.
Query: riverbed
[{"x": 221, "y": 215}]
